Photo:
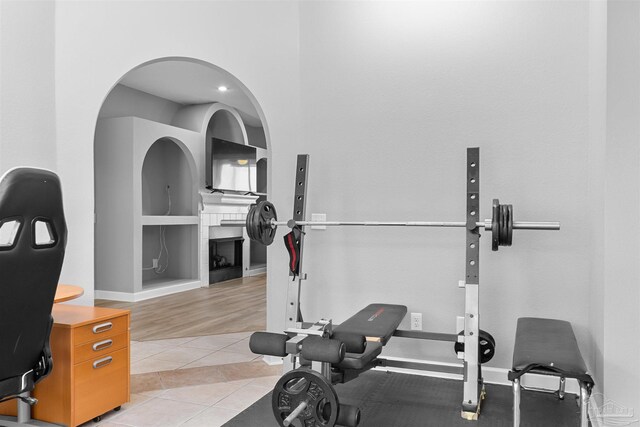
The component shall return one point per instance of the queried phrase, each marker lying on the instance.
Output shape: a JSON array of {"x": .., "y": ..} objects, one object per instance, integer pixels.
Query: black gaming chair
[{"x": 33, "y": 236}]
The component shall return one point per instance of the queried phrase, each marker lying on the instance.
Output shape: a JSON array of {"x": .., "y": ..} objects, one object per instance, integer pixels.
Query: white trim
[
  {"x": 272, "y": 360},
  {"x": 180, "y": 286},
  {"x": 170, "y": 219},
  {"x": 114, "y": 296},
  {"x": 209, "y": 198},
  {"x": 255, "y": 272}
]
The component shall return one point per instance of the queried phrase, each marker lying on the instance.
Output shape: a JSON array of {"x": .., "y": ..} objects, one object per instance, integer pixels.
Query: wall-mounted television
[{"x": 231, "y": 166}]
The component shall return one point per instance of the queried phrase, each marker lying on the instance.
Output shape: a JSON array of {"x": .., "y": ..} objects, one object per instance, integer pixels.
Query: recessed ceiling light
[{"x": 222, "y": 88}]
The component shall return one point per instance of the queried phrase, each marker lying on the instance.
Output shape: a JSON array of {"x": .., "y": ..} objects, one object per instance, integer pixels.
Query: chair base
[
  {"x": 24, "y": 416},
  {"x": 13, "y": 422}
]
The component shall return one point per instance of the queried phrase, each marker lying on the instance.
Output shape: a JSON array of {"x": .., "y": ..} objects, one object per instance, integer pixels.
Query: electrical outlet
[
  {"x": 155, "y": 263},
  {"x": 416, "y": 321}
]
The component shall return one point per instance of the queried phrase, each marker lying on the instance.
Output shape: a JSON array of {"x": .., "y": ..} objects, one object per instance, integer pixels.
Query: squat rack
[{"x": 261, "y": 224}]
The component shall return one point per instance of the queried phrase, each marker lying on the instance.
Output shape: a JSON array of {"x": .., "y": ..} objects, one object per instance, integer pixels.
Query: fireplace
[{"x": 225, "y": 259}]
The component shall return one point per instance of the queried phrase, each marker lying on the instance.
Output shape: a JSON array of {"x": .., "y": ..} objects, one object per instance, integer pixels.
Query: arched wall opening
[{"x": 151, "y": 160}]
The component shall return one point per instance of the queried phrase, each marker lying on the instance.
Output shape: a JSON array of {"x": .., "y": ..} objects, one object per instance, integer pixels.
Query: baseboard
[
  {"x": 256, "y": 271},
  {"x": 147, "y": 294},
  {"x": 114, "y": 296}
]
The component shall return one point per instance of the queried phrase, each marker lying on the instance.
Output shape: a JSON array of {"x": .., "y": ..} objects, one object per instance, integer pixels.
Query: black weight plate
[
  {"x": 486, "y": 346},
  {"x": 305, "y": 385},
  {"x": 504, "y": 219},
  {"x": 495, "y": 225},
  {"x": 510, "y": 225},
  {"x": 259, "y": 222},
  {"x": 250, "y": 224},
  {"x": 267, "y": 215}
]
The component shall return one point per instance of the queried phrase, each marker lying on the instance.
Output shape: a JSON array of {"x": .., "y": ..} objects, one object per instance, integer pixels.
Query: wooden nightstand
[{"x": 90, "y": 347}]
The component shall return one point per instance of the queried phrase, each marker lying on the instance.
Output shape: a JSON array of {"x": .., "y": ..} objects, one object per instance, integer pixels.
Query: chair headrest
[{"x": 32, "y": 198}]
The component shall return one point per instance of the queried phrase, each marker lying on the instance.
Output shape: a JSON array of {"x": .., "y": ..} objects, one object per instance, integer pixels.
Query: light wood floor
[{"x": 237, "y": 305}]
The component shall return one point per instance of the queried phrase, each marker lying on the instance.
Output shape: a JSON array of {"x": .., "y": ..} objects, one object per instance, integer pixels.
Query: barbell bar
[
  {"x": 517, "y": 225},
  {"x": 262, "y": 221}
]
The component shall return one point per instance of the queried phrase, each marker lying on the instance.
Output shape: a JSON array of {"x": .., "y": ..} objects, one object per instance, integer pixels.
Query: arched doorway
[{"x": 155, "y": 203}]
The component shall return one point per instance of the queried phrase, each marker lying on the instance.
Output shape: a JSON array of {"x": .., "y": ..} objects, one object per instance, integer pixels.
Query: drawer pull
[
  {"x": 103, "y": 327},
  {"x": 102, "y": 345},
  {"x": 102, "y": 362}
]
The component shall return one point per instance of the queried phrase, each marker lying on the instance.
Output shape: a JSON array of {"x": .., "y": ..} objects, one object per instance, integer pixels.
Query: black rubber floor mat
[{"x": 400, "y": 400}]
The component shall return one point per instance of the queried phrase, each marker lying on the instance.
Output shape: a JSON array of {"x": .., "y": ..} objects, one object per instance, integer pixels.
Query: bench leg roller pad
[
  {"x": 349, "y": 416},
  {"x": 323, "y": 350},
  {"x": 268, "y": 343},
  {"x": 354, "y": 343}
]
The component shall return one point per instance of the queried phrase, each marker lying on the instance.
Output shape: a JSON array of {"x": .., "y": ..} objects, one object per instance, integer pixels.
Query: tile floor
[{"x": 191, "y": 382}]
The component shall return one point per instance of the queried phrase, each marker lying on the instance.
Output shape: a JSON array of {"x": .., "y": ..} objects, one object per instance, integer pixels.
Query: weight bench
[
  {"x": 339, "y": 353},
  {"x": 548, "y": 347}
]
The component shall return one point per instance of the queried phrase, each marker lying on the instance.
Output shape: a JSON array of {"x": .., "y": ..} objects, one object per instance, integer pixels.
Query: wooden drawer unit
[{"x": 90, "y": 377}]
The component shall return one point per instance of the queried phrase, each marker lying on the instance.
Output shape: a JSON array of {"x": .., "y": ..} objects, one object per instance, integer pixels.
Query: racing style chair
[{"x": 33, "y": 236}]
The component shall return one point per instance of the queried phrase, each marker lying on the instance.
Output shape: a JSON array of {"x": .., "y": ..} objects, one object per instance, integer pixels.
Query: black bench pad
[
  {"x": 548, "y": 347},
  {"x": 377, "y": 321}
]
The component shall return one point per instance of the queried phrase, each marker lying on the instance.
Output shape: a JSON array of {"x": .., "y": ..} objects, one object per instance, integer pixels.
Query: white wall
[
  {"x": 124, "y": 101},
  {"x": 98, "y": 42},
  {"x": 27, "y": 92},
  {"x": 621, "y": 328},
  {"x": 224, "y": 125},
  {"x": 385, "y": 97},
  {"x": 392, "y": 94},
  {"x": 596, "y": 182}
]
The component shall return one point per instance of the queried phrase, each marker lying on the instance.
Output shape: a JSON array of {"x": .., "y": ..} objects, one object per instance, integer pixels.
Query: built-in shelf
[
  {"x": 175, "y": 248},
  {"x": 169, "y": 220}
]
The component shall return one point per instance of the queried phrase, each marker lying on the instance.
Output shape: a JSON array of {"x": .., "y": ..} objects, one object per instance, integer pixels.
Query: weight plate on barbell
[
  {"x": 504, "y": 224},
  {"x": 495, "y": 225},
  {"x": 259, "y": 222},
  {"x": 509, "y": 225},
  {"x": 305, "y": 386}
]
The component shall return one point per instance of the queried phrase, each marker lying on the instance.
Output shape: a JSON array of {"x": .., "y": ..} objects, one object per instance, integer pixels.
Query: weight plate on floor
[{"x": 304, "y": 385}]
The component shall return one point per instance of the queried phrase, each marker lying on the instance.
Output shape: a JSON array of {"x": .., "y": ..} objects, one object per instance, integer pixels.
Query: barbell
[{"x": 262, "y": 222}]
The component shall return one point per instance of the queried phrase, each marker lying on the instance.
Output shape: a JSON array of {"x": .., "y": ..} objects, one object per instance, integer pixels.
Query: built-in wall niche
[
  {"x": 175, "y": 249},
  {"x": 167, "y": 187}
]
